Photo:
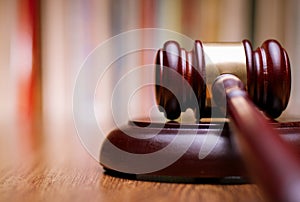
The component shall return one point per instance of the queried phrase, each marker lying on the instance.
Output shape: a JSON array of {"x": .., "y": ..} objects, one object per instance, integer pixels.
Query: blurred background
[{"x": 43, "y": 45}]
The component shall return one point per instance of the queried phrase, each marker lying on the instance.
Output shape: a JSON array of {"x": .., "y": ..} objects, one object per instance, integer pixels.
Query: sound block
[{"x": 181, "y": 152}]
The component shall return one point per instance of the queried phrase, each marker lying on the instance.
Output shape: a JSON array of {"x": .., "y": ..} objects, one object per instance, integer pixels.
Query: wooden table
[{"x": 52, "y": 165}]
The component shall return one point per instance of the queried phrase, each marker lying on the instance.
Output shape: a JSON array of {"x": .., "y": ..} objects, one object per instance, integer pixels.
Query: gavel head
[{"x": 265, "y": 73}]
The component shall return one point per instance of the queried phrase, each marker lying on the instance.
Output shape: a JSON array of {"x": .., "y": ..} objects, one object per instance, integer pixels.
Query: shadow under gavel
[{"x": 248, "y": 82}]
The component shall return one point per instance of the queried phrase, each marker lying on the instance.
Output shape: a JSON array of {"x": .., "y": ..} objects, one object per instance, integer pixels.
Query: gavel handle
[{"x": 269, "y": 160}]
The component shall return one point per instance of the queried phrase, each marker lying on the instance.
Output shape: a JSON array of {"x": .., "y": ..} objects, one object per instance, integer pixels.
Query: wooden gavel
[
  {"x": 265, "y": 73},
  {"x": 234, "y": 73}
]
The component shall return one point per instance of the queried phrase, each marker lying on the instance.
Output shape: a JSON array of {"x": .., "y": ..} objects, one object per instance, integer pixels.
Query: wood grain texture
[{"x": 59, "y": 169}]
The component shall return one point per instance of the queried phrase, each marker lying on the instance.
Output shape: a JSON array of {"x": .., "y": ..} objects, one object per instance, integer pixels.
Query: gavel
[
  {"x": 249, "y": 82},
  {"x": 264, "y": 72}
]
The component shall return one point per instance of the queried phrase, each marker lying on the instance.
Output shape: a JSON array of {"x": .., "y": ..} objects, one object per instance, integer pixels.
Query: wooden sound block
[{"x": 221, "y": 162}]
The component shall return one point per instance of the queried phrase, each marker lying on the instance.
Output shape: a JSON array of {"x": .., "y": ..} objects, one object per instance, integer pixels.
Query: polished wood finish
[
  {"x": 269, "y": 77},
  {"x": 183, "y": 62},
  {"x": 269, "y": 159},
  {"x": 59, "y": 169},
  {"x": 265, "y": 67},
  {"x": 223, "y": 161},
  {"x": 272, "y": 163}
]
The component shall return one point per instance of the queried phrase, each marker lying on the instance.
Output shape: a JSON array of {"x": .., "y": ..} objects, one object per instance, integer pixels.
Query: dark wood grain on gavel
[
  {"x": 270, "y": 160},
  {"x": 267, "y": 69}
]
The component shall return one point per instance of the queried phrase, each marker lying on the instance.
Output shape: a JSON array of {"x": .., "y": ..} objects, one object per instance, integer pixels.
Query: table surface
[{"x": 53, "y": 166}]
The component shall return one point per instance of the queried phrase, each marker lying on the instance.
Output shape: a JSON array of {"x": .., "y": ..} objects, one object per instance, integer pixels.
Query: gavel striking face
[{"x": 264, "y": 72}]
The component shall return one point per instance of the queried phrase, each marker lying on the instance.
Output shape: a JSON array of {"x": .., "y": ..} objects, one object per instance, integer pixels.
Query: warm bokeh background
[{"x": 38, "y": 77}]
